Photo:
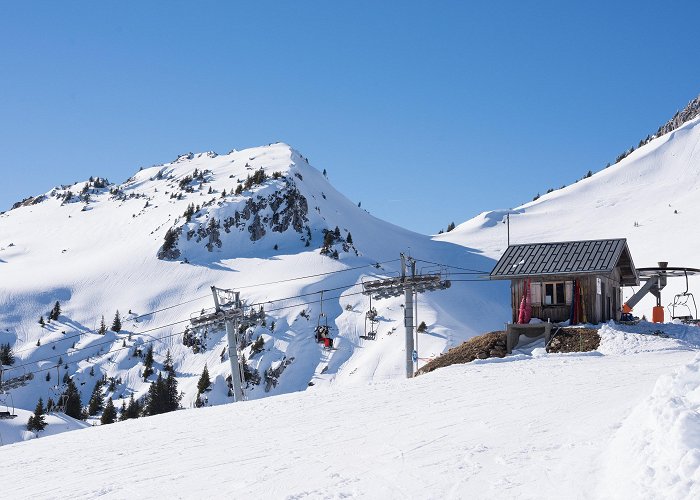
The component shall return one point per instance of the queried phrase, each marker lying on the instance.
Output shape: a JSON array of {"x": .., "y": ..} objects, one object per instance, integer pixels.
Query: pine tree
[
  {"x": 133, "y": 410},
  {"x": 96, "y": 403},
  {"x": 109, "y": 415},
  {"x": 37, "y": 422},
  {"x": 155, "y": 397},
  {"x": 103, "y": 327},
  {"x": 204, "y": 381},
  {"x": 349, "y": 238},
  {"x": 168, "y": 364},
  {"x": 74, "y": 406},
  {"x": 148, "y": 362},
  {"x": 7, "y": 357},
  {"x": 56, "y": 311},
  {"x": 48, "y": 376},
  {"x": 122, "y": 412},
  {"x": 173, "y": 397},
  {"x": 42, "y": 322},
  {"x": 117, "y": 322}
]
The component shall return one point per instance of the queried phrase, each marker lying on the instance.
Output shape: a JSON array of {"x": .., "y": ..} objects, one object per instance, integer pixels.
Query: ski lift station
[
  {"x": 578, "y": 281},
  {"x": 581, "y": 282}
]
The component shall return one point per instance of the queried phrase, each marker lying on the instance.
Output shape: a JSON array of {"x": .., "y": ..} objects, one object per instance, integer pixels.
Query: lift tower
[
  {"x": 408, "y": 286},
  {"x": 228, "y": 310}
]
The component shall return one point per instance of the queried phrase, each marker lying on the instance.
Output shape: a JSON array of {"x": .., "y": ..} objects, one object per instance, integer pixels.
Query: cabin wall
[{"x": 597, "y": 307}]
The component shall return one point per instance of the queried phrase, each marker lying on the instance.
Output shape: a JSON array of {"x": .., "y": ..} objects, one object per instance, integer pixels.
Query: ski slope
[
  {"x": 651, "y": 197},
  {"x": 531, "y": 425}
]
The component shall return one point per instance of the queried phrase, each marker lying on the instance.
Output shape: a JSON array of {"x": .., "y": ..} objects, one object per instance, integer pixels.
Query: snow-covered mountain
[
  {"x": 651, "y": 197},
  {"x": 252, "y": 220},
  {"x": 620, "y": 422}
]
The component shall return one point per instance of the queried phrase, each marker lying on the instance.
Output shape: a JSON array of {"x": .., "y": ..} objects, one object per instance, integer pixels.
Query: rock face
[
  {"x": 285, "y": 209},
  {"x": 692, "y": 110}
]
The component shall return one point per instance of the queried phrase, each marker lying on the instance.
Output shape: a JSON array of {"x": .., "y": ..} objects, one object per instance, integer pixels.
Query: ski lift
[
  {"x": 683, "y": 301},
  {"x": 5, "y": 411},
  {"x": 57, "y": 394},
  {"x": 371, "y": 316},
  {"x": 322, "y": 331}
]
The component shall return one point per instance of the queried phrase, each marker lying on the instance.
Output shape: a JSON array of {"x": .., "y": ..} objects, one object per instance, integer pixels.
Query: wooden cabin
[{"x": 575, "y": 280}]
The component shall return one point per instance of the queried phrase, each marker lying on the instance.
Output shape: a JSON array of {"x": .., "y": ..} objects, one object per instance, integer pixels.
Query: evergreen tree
[
  {"x": 450, "y": 226},
  {"x": 37, "y": 422},
  {"x": 74, "y": 406},
  {"x": 7, "y": 357},
  {"x": 349, "y": 238},
  {"x": 103, "y": 326},
  {"x": 109, "y": 415},
  {"x": 204, "y": 381},
  {"x": 148, "y": 362},
  {"x": 173, "y": 397},
  {"x": 122, "y": 412},
  {"x": 168, "y": 364},
  {"x": 48, "y": 376},
  {"x": 162, "y": 396},
  {"x": 116, "y": 323},
  {"x": 56, "y": 311},
  {"x": 42, "y": 322},
  {"x": 155, "y": 397},
  {"x": 96, "y": 403},
  {"x": 133, "y": 410}
]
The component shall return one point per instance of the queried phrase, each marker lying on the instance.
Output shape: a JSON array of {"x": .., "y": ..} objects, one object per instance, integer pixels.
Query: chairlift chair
[
  {"x": 5, "y": 411},
  {"x": 683, "y": 301},
  {"x": 322, "y": 330},
  {"x": 371, "y": 316}
]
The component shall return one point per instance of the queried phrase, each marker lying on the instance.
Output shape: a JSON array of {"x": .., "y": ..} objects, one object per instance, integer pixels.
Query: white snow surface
[{"x": 586, "y": 425}]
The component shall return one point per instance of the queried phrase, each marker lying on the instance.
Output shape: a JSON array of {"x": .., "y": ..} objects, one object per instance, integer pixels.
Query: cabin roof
[{"x": 567, "y": 258}]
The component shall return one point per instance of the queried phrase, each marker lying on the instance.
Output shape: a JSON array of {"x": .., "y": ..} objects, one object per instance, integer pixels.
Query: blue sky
[{"x": 426, "y": 112}]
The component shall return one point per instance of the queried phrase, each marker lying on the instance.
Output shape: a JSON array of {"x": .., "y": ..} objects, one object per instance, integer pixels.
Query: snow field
[
  {"x": 656, "y": 452},
  {"x": 520, "y": 427}
]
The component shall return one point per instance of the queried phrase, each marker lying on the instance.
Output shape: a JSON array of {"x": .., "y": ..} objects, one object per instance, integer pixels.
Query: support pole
[
  {"x": 415, "y": 319},
  {"x": 508, "y": 225},
  {"x": 408, "y": 315},
  {"x": 233, "y": 359},
  {"x": 216, "y": 299},
  {"x": 232, "y": 337}
]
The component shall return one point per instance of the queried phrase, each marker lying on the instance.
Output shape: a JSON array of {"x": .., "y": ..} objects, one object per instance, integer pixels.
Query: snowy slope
[
  {"x": 99, "y": 254},
  {"x": 651, "y": 197},
  {"x": 527, "y": 426}
]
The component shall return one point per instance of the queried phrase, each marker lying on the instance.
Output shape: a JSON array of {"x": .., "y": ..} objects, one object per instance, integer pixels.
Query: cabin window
[{"x": 554, "y": 294}]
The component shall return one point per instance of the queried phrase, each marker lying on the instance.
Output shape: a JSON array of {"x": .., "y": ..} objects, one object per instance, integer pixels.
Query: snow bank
[
  {"x": 645, "y": 337},
  {"x": 15, "y": 430},
  {"x": 656, "y": 452}
]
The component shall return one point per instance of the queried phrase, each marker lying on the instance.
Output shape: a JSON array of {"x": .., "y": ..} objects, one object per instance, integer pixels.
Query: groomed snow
[{"x": 543, "y": 426}]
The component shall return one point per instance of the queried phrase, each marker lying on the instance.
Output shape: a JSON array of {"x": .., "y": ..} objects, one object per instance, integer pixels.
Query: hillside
[
  {"x": 617, "y": 423},
  {"x": 651, "y": 197},
  {"x": 255, "y": 220}
]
